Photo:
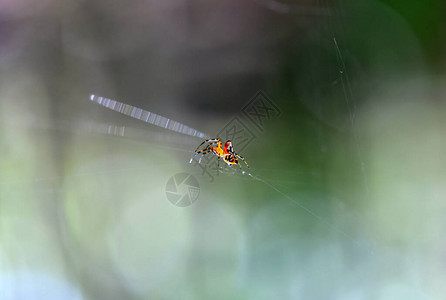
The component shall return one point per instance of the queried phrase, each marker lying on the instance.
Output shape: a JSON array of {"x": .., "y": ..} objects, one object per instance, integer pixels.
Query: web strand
[{"x": 147, "y": 116}]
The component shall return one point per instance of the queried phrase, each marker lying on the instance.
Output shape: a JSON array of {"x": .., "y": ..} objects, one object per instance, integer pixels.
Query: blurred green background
[{"x": 350, "y": 200}]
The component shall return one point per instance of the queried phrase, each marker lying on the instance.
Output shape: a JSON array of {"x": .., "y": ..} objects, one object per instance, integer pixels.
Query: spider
[{"x": 226, "y": 153}]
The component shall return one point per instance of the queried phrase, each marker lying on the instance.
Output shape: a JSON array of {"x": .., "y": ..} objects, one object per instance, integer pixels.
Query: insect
[{"x": 226, "y": 153}]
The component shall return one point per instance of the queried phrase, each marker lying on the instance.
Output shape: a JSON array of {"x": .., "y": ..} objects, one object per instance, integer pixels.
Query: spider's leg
[
  {"x": 192, "y": 158},
  {"x": 204, "y": 151},
  {"x": 241, "y": 157},
  {"x": 216, "y": 140},
  {"x": 212, "y": 144},
  {"x": 218, "y": 162},
  {"x": 224, "y": 157},
  {"x": 236, "y": 160}
]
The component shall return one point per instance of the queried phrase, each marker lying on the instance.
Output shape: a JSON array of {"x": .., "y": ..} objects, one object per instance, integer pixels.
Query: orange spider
[{"x": 226, "y": 153}]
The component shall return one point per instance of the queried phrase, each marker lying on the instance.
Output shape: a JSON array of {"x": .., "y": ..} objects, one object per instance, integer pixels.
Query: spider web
[{"x": 343, "y": 83}]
